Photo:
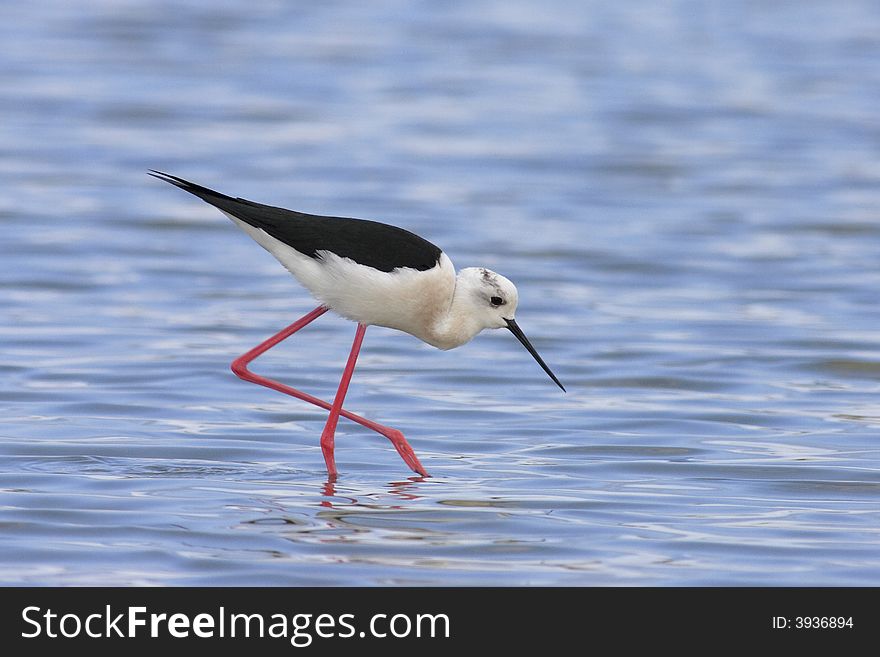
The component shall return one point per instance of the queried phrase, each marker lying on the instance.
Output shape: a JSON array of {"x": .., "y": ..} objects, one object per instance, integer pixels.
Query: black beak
[{"x": 517, "y": 331}]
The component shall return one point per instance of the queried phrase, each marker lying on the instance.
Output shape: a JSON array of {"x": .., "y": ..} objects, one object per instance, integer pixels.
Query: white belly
[{"x": 405, "y": 299}]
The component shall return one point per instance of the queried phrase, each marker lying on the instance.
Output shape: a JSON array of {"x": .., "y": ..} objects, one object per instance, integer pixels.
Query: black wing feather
[{"x": 369, "y": 243}]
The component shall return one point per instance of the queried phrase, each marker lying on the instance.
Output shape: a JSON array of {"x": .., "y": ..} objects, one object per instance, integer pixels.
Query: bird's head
[
  {"x": 492, "y": 301},
  {"x": 491, "y": 298}
]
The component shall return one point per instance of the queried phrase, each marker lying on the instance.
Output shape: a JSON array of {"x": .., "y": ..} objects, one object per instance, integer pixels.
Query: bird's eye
[{"x": 496, "y": 301}]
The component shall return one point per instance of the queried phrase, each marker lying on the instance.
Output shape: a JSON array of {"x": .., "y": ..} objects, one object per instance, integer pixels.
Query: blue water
[{"x": 687, "y": 195}]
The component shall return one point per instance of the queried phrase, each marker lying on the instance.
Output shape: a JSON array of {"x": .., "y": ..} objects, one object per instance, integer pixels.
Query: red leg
[
  {"x": 330, "y": 428},
  {"x": 240, "y": 367}
]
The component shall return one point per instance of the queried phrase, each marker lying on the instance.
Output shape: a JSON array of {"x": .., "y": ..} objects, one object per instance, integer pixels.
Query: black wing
[{"x": 369, "y": 243}]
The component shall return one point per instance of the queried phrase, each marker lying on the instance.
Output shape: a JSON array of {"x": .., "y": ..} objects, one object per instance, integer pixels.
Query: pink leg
[
  {"x": 330, "y": 428},
  {"x": 240, "y": 367}
]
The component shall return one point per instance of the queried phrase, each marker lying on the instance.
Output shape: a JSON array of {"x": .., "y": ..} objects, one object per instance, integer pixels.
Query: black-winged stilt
[{"x": 370, "y": 273}]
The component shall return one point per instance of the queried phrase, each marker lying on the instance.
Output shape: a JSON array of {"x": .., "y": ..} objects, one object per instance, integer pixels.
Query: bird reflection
[{"x": 404, "y": 490}]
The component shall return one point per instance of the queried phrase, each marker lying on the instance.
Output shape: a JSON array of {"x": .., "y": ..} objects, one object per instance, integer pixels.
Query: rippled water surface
[{"x": 687, "y": 195}]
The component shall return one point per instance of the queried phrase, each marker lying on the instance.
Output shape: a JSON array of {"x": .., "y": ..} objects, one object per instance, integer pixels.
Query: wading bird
[{"x": 372, "y": 274}]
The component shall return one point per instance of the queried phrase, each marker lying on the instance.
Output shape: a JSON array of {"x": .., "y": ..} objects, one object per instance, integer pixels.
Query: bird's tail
[{"x": 208, "y": 195}]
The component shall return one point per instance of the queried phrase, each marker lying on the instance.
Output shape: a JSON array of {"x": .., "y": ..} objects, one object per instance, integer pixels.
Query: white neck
[{"x": 459, "y": 323}]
